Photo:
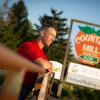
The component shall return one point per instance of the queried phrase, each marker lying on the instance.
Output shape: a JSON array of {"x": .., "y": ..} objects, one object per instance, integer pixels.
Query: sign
[
  {"x": 83, "y": 75},
  {"x": 57, "y": 69},
  {"x": 85, "y": 41}
]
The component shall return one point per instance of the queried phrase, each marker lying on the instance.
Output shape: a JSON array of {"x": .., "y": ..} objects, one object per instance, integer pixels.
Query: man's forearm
[
  {"x": 11, "y": 60},
  {"x": 43, "y": 63}
]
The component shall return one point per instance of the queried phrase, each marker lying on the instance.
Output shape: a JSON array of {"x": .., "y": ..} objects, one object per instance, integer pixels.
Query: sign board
[
  {"x": 57, "y": 69},
  {"x": 83, "y": 75},
  {"x": 83, "y": 46},
  {"x": 85, "y": 42}
]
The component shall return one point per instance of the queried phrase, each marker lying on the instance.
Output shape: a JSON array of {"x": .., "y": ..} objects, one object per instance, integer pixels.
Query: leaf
[
  {"x": 98, "y": 33},
  {"x": 87, "y": 29}
]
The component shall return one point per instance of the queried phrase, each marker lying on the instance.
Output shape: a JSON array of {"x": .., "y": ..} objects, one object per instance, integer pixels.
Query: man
[{"x": 33, "y": 51}]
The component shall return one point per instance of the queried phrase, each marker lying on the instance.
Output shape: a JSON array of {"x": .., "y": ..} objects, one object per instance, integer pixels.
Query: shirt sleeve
[{"x": 30, "y": 51}]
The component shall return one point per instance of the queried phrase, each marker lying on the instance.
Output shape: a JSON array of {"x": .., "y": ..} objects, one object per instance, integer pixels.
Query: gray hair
[{"x": 46, "y": 28}]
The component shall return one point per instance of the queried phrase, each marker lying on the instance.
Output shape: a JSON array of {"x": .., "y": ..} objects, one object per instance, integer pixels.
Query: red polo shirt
[{"x": 31, "y": 51}]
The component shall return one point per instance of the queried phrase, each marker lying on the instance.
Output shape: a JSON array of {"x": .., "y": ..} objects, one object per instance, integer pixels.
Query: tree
[
  {"x": 18, "y": 27},
  {"x": 23, "y": 26},
  {"x": 2, "y": 26}
]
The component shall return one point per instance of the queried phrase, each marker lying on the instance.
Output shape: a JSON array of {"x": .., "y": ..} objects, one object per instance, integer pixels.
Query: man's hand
[
  {"x": 45, "y": 64},
  {"x": 51, "y": 68}
]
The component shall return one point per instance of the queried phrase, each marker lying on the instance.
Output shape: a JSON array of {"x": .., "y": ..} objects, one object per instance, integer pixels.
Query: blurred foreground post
[
  {"x": 12, "y": 85},
  {"x": 42, "y": 88},
  {"x": 16, "y": 67},
  {"x": 46, "y": 86}
]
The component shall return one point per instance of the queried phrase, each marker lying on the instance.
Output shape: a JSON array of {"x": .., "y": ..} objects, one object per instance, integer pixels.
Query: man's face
[{"x": 48, "y": 36}]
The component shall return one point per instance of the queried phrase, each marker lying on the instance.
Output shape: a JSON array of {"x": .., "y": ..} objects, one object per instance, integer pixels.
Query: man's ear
[{"x": 42, "y": 33}]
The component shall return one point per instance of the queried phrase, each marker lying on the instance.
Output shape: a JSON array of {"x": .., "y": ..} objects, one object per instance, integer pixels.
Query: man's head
[{"x": 47, "y": 35}]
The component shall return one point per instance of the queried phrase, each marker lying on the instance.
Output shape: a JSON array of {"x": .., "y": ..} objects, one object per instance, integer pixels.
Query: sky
[{"x": 85, "y": 10}]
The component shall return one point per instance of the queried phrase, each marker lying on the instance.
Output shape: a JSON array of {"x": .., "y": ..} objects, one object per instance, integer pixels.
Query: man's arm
[
  {"x": 44, "y": 63},
  {"x": 10, "y": 59}
]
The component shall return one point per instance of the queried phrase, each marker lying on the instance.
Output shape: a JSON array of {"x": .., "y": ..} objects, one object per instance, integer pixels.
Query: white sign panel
[
  {"x": 57, "y": 69},
  {"x": 83, "y": 75}
]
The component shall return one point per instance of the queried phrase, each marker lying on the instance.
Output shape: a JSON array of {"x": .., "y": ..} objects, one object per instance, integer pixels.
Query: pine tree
[
  {"x": 23, "y": 26},
  {"x": 18, "y": 27},
  {"x": 2, "y": 28}
]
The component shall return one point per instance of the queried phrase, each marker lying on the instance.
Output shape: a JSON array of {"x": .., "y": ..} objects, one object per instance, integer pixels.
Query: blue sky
[{"x": 85, "y": 10}]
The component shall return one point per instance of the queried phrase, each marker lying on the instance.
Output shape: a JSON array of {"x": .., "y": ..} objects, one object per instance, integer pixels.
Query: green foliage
[
  {"x": 2, "y": 27},
  {"x": 9, "y": 38},
  {"x": 56, "y": 52},
  {"x": 54, "y": 88},
  {"x": 79, "y": 93},
  {"x": 23, "y": 26},
  {"x": 17, "y": 28}
]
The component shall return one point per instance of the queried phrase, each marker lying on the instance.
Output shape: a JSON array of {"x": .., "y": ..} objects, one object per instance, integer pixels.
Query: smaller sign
[
  {"x": 57, "y": 69},
  {"x": 83, "y": 75}
]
